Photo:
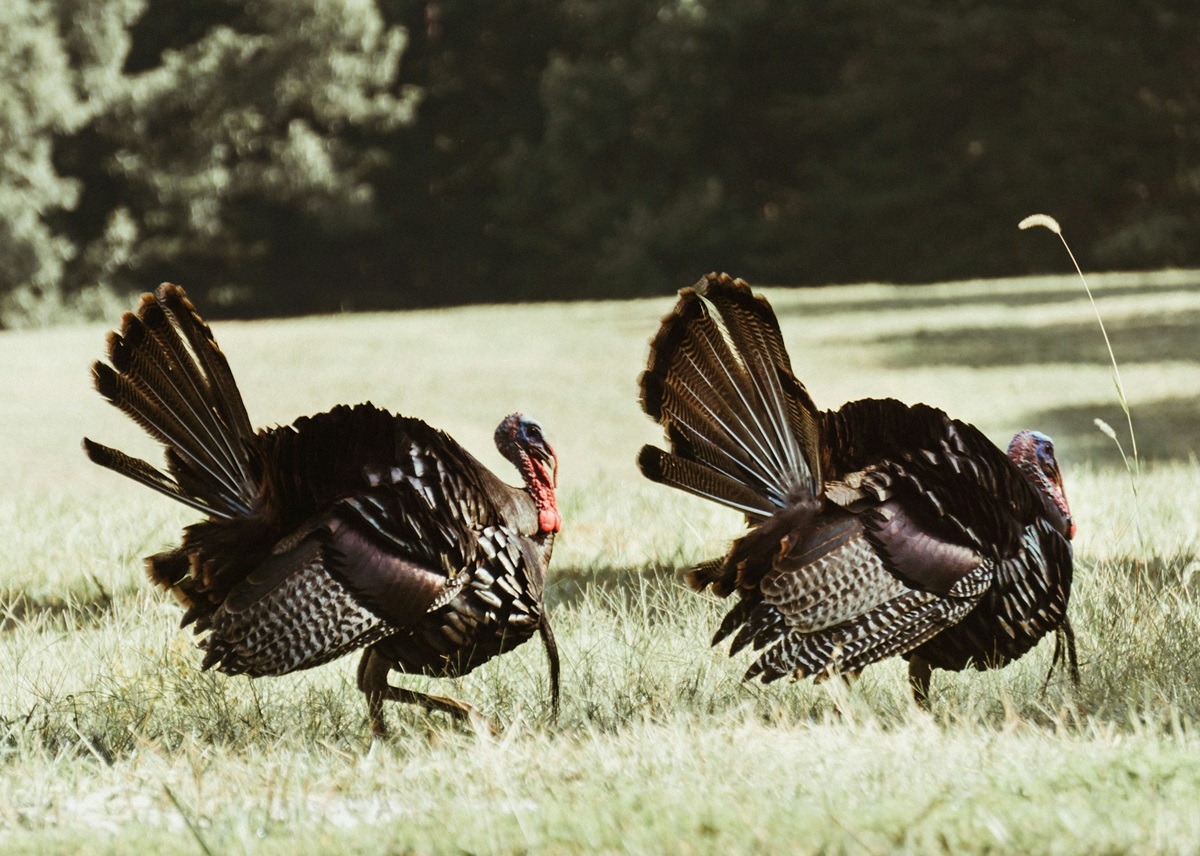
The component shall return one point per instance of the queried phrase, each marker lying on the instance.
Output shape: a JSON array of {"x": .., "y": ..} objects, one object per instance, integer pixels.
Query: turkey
[
  {"x": 875, "y": 530},
  {"x": 352, "y": 529}
]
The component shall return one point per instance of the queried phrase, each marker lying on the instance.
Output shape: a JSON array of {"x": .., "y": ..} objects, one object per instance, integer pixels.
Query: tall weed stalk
[{"x": 1132, "y": 462}]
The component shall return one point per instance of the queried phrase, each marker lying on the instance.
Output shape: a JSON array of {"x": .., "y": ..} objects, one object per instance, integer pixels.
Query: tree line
[{"x": 281, "y": 156}]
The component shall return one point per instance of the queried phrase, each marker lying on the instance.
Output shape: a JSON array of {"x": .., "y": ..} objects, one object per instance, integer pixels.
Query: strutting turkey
[
  {"x": 877, "y": 529},
  {"x": 352, "y": 529}
]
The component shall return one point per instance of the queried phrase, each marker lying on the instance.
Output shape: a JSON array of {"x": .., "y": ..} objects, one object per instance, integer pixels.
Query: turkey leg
[
  {"x": 919, "y": 673},
  {"x": 373, "y": 670}
]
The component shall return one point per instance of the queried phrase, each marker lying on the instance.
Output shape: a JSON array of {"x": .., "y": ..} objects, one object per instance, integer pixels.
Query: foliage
[
  {"x": 329, "y": 154},
  {"x": 39, "y": 101},
  {"x": 780, "y": 138},
  {"x": 478, "y": 67},
  {"x": 246, "y": 154}
]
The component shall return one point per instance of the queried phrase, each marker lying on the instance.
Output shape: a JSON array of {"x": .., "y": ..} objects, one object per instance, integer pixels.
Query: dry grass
[{"x": 111, "y": 739}]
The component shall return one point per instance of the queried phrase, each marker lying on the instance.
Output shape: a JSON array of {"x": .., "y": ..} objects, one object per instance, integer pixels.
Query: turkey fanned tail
[{"x": 720, "y": 384}]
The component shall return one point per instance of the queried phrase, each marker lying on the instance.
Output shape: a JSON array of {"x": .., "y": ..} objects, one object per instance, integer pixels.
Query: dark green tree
[
  {"x": 850, "y": 140},
  {"x": 39, "y": 100},
  {"x": 241, "y": 161},
  {"x": 309, "y": 155},
  {"x": 478, "y": 67}
]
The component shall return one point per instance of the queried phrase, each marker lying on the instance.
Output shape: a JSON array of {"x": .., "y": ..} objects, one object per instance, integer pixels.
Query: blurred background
[{"x": 298, "y": 156}]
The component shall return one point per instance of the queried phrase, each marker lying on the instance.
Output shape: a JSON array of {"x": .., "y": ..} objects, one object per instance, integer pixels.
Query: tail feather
[
  {"x": 690, "y": 360},
  {"x": 168, "y": 375},
  {"x": 200, "y": 336},
  {"x": 206, "y": 383},
  {"x": 720, "y": 383},
  {"x": 755, "y": 334},
  {"x": 160, "y": 421},
  {"x": 706, "y": 373},
  {"x": 698, "y": 428},
  {"x": 704, "y": 574},
  {"x": 145, "y": 356},
  {"x": 144, "y": 473},
  {"x": 697, "y": 388},
  {"x": 701, "y": 481}
]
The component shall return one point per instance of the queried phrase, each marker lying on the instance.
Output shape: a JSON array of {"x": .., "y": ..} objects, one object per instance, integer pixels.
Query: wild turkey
[
  {"x": 351, "y": 529},
  {"x": 878, "y": 529}
]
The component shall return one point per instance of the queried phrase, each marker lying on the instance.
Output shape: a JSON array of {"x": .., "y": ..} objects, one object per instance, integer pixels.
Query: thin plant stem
[
  {"x": 1134, "y": 468},
  {"x": 1112, "y": 358}
]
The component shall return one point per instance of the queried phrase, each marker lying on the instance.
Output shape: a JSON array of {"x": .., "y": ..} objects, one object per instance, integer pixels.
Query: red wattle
[
  {"x": 541, "y": 487},
  {"x": 549, "y": 520}
]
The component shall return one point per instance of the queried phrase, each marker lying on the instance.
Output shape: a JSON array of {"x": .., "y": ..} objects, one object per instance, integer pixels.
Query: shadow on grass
[
  {"x": 1167, "y": 430},
  {"x": 1172, "y": 574},
  {"x": 18, "y": 609},
  {"x": 570, "y": 586},
  {"x": 1140, "y": 339},
  {"x": 911, "y": 298}
]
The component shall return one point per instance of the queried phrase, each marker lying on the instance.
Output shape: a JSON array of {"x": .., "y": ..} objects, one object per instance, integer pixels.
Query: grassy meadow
[{"x": 111, "y": 740}]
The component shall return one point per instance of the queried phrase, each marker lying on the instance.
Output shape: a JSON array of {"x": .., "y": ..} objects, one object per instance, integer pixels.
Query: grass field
[{"x": 113, "y": 741}]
